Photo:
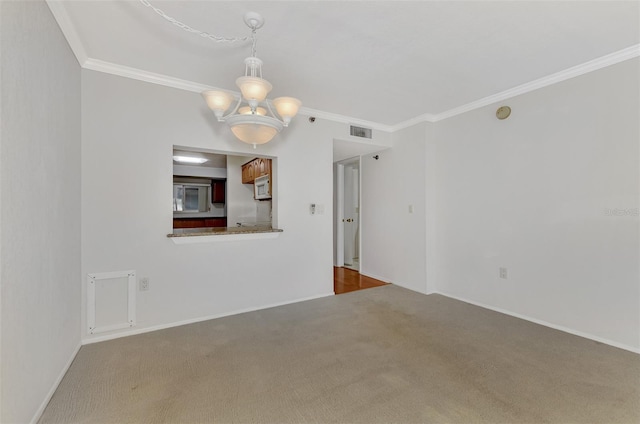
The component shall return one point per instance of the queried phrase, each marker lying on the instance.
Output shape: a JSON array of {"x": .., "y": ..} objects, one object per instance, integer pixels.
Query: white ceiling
[{"x": 379, "y": 61}]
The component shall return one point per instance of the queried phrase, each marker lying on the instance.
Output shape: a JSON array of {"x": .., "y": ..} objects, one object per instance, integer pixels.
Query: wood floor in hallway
[{"x": 347, "y": 280}]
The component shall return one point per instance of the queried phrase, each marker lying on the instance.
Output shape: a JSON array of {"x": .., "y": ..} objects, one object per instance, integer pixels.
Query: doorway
[
  {"x": 352, "y": 215},
  {"x": 348, "y": 228},
  {"x": 348, "y": 214},
  {"x": 346, "y": 280}
]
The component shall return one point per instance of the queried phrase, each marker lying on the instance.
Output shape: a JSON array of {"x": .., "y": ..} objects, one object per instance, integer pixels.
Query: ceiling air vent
[{"x": 360, "y": 132}]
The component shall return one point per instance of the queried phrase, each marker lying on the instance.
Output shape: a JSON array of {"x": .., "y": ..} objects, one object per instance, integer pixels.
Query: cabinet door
[
  {"x": 219, "y": 222},
  {"x": 260, "y": 167},
  {"x": 218, "y": 191},
  {"x": 248, "y": 173},
  {"x": 245, "y": 176},
  {"x": 263, "y": 167},
  {"x": 254, "y": 165},
  {"x": 215, "y": 222},
  {"x": 188, "y": 223}
]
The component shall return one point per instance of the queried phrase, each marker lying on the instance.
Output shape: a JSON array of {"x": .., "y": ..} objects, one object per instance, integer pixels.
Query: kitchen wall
[
  {"x": 39, "y": 208},
  {"x": 552, "y": 194},
  {"x": 126, "y": 229},
  {"x": 241, "y": 206}
]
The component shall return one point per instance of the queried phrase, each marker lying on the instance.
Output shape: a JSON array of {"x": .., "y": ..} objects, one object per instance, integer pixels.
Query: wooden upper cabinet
[
  {"x": 254, "y": 169},
  {"x": 263, "y": 167},
  {"x": 248, "y": 173}
]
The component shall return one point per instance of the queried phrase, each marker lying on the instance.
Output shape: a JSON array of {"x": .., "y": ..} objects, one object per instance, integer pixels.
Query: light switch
[
  {"x": 410, "y": 208},
  {"x": 316, "y": 209}
]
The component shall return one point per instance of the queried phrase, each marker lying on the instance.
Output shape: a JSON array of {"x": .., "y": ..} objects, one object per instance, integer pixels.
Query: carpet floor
[{"x": 382, "y": 355}]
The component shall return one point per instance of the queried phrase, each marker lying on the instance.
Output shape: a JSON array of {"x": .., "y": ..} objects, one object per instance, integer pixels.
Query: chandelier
[{"x": 254, "y": 123}]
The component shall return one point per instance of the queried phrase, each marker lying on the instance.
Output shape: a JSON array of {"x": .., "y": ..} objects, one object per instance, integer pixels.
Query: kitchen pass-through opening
[{"x": 222, "y": 189}]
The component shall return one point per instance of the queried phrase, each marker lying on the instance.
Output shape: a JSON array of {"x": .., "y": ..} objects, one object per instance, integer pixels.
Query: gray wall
[
  {"x": 129, "y": 129},
  {"x": 552, "y": 194},
  {"x": 393, "y": 238},
  {"x": 40, "y": 208},
  {"x": 537, "y": 193}
]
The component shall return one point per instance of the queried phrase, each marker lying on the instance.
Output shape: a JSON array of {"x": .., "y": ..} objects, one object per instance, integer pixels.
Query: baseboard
[
  {"x": 45, "y": 402},
  {"x": 408, "y": 287},
  {"x": 134, "y": 332},
  {"x": 375, "y": 277},
  {"x": 545, "y": 323}
]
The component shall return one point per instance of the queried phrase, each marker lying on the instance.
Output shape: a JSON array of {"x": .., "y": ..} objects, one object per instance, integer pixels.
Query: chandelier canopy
[{"x": 251, "y": 123}]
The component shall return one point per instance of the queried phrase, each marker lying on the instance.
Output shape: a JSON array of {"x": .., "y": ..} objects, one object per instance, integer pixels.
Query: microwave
[{"x": 261, "y": 188}]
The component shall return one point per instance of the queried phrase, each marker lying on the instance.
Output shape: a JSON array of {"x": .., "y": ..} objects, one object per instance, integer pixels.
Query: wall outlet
[
  {"x": 503, "y": 273},
  {"x": 410, "y": 208},
  {"x": 143, "y": 284}
]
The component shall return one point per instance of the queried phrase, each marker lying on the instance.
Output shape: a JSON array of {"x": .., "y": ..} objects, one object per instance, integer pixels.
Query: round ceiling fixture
[
  {"x": 503, "y": 112},
  {"x": 253, "y": 20}
]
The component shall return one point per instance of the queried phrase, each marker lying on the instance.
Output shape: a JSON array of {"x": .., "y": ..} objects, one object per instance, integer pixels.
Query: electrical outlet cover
[{"x": 144, "y": 284}]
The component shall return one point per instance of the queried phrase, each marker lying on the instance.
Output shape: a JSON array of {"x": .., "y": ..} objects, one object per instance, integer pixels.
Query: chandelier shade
[
  {"x": 287, "y": 108},
  {"x": 254, "y": 88},
  {"x": 218, "y": 101},
  {"x": 254, "y": 129}
]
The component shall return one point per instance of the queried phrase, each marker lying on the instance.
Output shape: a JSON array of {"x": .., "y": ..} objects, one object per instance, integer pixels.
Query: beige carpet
[{"x": 380, "y": 355}]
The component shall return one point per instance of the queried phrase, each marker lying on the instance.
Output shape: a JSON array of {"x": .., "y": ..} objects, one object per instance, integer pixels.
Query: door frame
[
  {"x": 340, "y": 209},
  {"x": 340, "y": 215}
]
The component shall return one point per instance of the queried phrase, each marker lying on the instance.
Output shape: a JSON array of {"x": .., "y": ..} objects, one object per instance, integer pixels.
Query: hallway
[{"x": 347, "y": 280}]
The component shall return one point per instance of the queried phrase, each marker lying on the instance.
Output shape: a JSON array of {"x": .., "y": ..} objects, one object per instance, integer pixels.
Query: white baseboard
[
  {"x": 408, "y": 287},
  {"x": 133, "y": 332},
  {"x": 545, "y": 323},
  {"x": 56, "y": 383},
  {"x": 377, "y": 277}
]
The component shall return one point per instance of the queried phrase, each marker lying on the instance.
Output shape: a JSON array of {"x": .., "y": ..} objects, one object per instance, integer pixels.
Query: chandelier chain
[
  {"x": 254, "y": 40},
  {"x": 203, "y": 34}
]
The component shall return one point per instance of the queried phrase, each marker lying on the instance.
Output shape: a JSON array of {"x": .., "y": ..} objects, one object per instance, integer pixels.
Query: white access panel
[{"x": 111, "y": 301}]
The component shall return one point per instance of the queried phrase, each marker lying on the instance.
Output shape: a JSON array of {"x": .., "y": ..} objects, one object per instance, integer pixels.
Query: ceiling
[{"x": 380, "y": 61}]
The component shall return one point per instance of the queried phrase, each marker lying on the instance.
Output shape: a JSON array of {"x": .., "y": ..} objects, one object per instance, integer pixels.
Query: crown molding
[
  {"x": 69, "y": 31},
  {"x": 575, "y": 71},
  {"x": 146, "y": 76},
  {"x": 167, "y": 81},
  {"x": 426, "y": 117}
]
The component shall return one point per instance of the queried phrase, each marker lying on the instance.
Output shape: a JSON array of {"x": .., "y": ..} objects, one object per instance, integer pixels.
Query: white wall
[
  {"x": 393, "y": 239},
  {"x": 195, "y": 281},
  {"x": 40, "y": 208},
  {"x": 531, "y": 193}
]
